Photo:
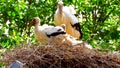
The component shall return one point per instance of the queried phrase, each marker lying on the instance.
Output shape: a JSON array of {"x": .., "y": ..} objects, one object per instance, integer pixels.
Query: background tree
[{"x": 100, "y": 21}]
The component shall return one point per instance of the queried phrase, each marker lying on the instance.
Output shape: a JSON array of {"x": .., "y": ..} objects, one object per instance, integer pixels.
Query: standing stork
[{"x": 66, "y": 15}]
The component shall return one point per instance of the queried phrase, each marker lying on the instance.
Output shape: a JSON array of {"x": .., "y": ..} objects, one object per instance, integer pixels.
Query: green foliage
[{"x": 100, "y": 21}]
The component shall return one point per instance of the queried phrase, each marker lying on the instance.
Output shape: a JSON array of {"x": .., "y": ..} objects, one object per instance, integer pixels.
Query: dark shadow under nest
[{"x": 61, "y": 56}]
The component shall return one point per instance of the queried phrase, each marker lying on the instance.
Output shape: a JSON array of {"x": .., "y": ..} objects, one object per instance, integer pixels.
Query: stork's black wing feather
[
  {"x": 56, "y": 33},
  {"x": 78, "y": 28}
]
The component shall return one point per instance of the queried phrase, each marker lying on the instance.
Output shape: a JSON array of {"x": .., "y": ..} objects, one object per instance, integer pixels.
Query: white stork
[
  {"x": 66, "y": 15},
  {"x": 53, "y": 34},
  {"x": 46, "y": 34}
]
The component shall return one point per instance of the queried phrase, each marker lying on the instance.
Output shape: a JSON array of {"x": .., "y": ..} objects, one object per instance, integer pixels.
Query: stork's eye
[{"x": 76, "y": 15}]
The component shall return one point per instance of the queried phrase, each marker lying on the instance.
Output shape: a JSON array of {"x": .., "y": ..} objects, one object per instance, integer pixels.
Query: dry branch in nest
[{"x": 61, "y": 56}]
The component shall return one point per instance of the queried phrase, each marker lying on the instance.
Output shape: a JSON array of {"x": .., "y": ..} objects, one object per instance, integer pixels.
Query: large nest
[{"x": 61, "y": 56}]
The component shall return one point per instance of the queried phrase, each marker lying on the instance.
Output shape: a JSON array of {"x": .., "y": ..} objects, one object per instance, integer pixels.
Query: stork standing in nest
[{"x": 66, "y": 15}]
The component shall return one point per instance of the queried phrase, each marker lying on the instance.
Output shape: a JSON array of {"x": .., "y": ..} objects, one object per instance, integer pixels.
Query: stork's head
[
  {"x": 63, "y": 26},
  {"x": 35, "y": 21},
  {"x": 60, "y": 5}
]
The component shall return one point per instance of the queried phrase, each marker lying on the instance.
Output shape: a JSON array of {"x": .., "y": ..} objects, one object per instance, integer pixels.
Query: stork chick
[
  {"x": 53, "y": 34},
  {"x": 45, "y": 33},
  {"x": 66, "y": 15}
]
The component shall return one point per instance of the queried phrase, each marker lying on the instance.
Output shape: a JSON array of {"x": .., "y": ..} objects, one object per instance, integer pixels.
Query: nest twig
[{"x": 61, "y": 56}]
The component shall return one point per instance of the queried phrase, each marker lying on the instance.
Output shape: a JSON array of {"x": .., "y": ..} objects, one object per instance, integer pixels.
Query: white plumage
[
  {"x": 53, "y": 34},
  {"x": 46, "y": 34},
  {"x": 65, "y": 15}
]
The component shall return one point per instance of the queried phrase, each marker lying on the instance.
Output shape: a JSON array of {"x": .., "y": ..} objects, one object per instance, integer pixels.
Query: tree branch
[{"x": 108, "y": 14}]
